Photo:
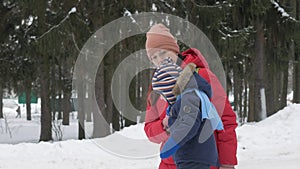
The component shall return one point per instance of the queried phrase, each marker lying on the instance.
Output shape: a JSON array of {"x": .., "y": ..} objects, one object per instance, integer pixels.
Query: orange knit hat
[{"x": 159, "y": 37}]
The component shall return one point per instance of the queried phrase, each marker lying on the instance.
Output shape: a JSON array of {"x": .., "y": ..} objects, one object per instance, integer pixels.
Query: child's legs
[{"x": 192, "y": 165}]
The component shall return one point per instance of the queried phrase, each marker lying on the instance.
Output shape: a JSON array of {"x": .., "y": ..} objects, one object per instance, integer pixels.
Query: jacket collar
[{"x": 189, "y": 79}]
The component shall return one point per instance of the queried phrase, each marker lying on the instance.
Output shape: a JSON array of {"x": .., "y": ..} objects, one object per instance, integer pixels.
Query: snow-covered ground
[
  {"x": 270, "y": 144},
  {"x": 18, "y": 130}
]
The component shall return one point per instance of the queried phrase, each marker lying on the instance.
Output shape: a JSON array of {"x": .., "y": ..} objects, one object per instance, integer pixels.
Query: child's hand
[{"x": 165, "y": 122}]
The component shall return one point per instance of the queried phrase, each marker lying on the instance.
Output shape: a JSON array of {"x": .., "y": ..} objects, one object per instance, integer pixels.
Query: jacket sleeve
[
  {"x": 186, "y": 125},
  {"x": 155, "y": 114},
  {"x": 226, "y": 139}
]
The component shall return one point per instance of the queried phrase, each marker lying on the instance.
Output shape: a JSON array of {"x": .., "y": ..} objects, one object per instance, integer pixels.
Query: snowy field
[{"x": 269, "y": 144}]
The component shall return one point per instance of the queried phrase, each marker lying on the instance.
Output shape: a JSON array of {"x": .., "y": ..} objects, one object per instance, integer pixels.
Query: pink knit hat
[{"x": 159, "y": 37}]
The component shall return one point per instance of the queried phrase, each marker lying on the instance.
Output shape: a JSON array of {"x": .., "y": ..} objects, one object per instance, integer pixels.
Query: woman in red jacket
[{"x": 160, "y": 44}]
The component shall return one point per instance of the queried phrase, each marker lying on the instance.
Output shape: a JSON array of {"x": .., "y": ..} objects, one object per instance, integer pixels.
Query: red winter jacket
[{"x": 226, "y": 140}]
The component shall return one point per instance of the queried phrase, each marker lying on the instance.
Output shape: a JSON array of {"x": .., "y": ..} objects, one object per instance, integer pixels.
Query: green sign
[{"x": 22, "y": 98}]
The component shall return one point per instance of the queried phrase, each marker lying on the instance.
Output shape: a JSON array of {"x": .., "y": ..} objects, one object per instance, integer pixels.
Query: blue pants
[{"x": 192, "y": 165}]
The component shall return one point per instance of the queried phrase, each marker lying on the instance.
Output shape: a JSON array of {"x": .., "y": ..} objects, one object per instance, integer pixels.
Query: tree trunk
[
  {"x": 284, "y": 87},
  {"x": 88, "y": 100},
  {"x": 146, "y": 81},
  {"x": 46, "y": 125},
  {"x": 115, "y": 112},
  {"x": 81, "y": 113},
  {"x": 129, "y": 117},
  {"x": 246, "y": 102},
  {"x": 258, "y": 72},
  {"x": 238, "y": 89},
  {"x": 1, "y": 100},
  {"x": 115, "y": 119},
  {"x": 272, "y": 79},
  {"x": 296, "y": 98},
  {"x": 112, "y": 113},
  {"x": 44, "y": 65},
  {"x": 59, "y": 109},
  {"x": 66, "y": 87},
  {"x": 53, "y": 91},
  {"x": 28, "y": 99},
  {"x": 59, "y": 89},
  {"x": 101, "y": 127},
  {"x": 66, "y": 107},
  {"x": 88, "y": 113},
  {"x": 251, "y": 114}
]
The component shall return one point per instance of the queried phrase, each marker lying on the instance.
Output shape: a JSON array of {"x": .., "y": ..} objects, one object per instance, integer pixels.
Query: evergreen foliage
[{"x": 258, "y": 42}]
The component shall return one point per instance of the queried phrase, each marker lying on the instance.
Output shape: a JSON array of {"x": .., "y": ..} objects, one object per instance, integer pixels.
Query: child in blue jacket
[{"x": 192, "y": 117}]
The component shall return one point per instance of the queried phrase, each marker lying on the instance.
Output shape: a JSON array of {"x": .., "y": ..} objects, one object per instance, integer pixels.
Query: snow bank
[
  {"x": 273, "y": 142},
  {"x": 269, "y": 144}
]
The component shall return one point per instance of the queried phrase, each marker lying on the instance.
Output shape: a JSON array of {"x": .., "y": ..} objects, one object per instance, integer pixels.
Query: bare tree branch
[
  {"x": 73, "y": 10},
  {"x": 75, "y": 43}
]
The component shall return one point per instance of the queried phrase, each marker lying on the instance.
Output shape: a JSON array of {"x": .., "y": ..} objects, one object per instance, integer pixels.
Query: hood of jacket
[
  {"x": 189, "y": 79},
  {"x": 195, "y": 56}
]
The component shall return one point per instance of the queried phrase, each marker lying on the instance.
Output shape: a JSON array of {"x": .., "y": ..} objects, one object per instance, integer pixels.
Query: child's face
[{"x": 158, "y": 57}]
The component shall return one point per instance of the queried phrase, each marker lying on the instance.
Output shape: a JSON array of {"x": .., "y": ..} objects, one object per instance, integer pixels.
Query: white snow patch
[
  {"x": 154, "y": 8},
  {"x": 73, "y": 10},
  {"x": 282, "y": 11},
  {"x": 270, "y": 144}
]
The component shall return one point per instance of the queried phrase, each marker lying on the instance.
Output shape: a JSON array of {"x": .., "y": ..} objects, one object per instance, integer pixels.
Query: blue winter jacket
[{"x": 185, "y": 127}]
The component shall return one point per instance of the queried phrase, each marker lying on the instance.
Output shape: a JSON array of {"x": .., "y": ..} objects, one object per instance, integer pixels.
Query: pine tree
[{"x": 296, "y": 98}]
